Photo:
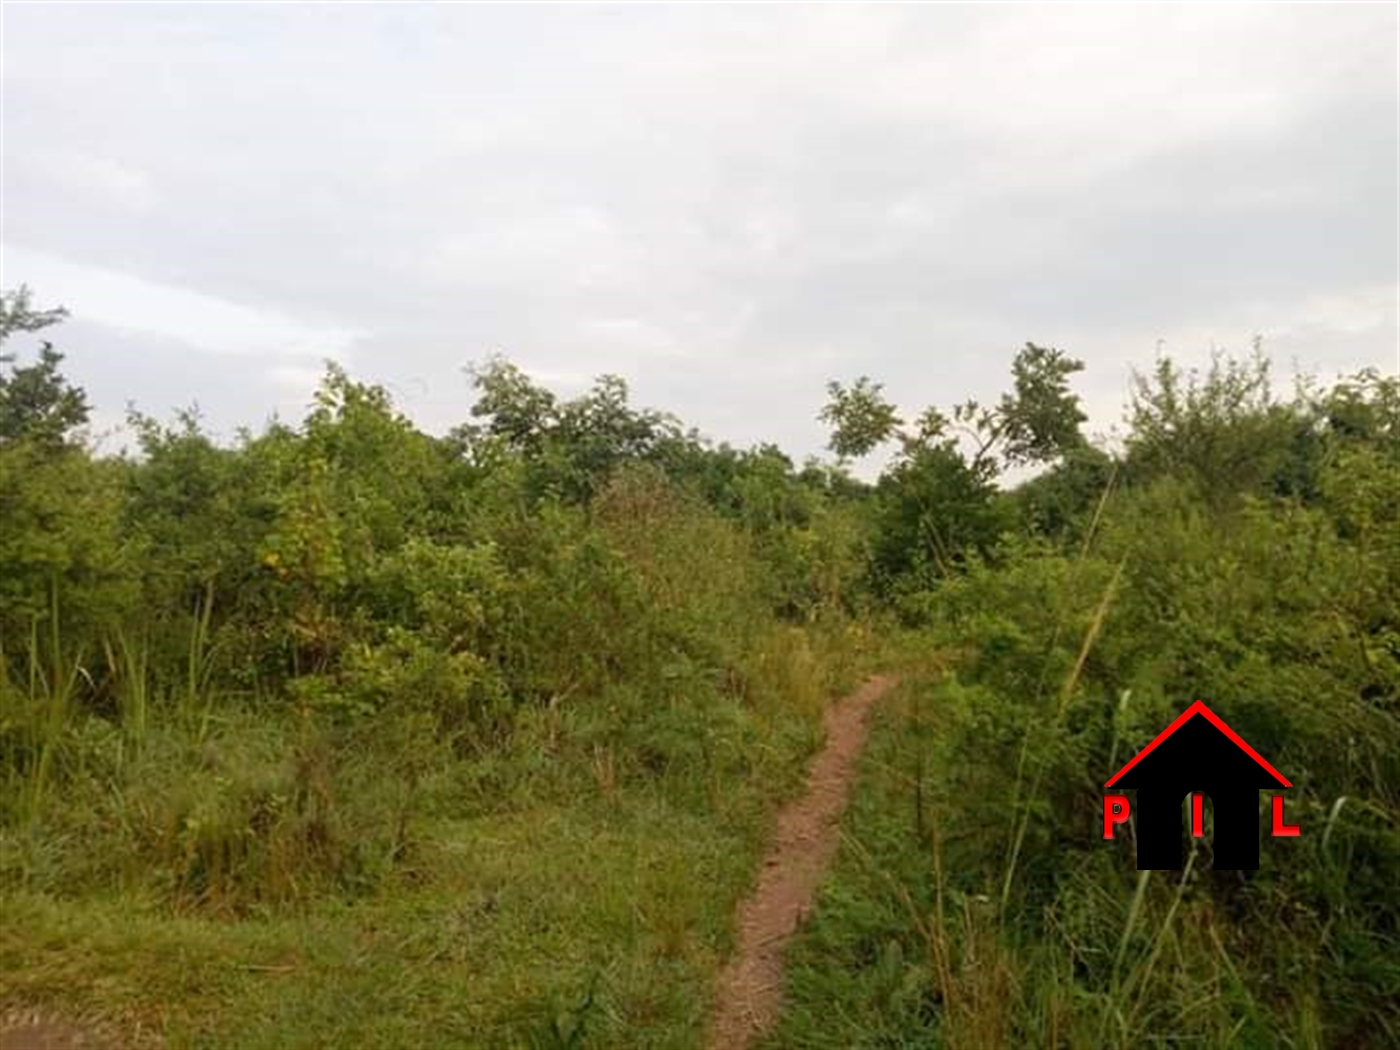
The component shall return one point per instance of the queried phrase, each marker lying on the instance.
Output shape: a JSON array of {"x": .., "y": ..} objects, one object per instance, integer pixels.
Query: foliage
[
  {"x": 860, "y": 418},
  {"x": 976, "y": 903},
  {"x": 938, "y": 503},
  {"x": 478, "y": 736},
  {"x": 36, "y": 403}
]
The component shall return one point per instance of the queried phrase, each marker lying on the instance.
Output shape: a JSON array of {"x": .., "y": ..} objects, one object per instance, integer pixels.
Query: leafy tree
[
  {"x": 860, "y": 418},
  {"x": 938, "y": 501},
  {"x": 513, "y": 406},
  {"x": 1222, "y": 430},
  {"x": 37, "y": 402},
  {"x": 1364, "y": 408},
  {"x": 58, "y": 508},
  {"x": 1040, "y": 421},
  {"x": 570, "y": 446},
  {"x": 1036, "y": 422},
  {"x": 59, "y": 537},
  {"x": 17, "y": 314},
  {"x": 1061, "y": 501},
  {"x": 934, "y": 510},
  {"x": 600, "y": 430}
]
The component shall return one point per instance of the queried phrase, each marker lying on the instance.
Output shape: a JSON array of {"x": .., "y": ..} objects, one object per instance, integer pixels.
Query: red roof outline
[{"x": 1199, "y": 708}]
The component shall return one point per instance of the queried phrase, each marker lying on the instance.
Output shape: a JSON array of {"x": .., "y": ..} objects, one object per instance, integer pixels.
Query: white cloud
[
  {"x": 203, "y": 322},
  {"x": 82, "y": 173},
  {"x": 728, "y": 206},
  {"x": 1374, "y": 310}
]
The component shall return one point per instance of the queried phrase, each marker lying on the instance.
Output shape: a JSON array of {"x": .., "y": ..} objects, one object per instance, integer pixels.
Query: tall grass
[
  {"x": 1039, "y": 762},
  {"x": 52, "y": 677},
  {"x": 128, "y": 659},
  {"x": 197, "y": 697}
]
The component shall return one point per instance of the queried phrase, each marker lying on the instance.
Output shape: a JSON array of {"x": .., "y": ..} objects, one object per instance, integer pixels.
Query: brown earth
[
  {"x": 28, "y": 1031},
  {"x": 751, "y": 984}
]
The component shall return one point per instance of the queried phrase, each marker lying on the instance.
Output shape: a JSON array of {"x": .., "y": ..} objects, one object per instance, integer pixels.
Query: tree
[
  {"x": 933, "y": 510},
  {"x": 18, "y": 315},
  {"x": 1222, "y": 430},
  {"x": 569, "y": 447},
  {"x": 860, "y": 418},
  {"x": 938, "y": 500},
  {"x": 1040, "y": 421},
  {"x": 1061, "y": 501},
  {"x": 1037, "y": 422},
  {"x": 513, "y": 406},
  {"x": 37, "y": 402}
]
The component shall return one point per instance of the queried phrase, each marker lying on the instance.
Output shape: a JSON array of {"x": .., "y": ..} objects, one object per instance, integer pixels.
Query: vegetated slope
[{"x": 1245, "y": 552}]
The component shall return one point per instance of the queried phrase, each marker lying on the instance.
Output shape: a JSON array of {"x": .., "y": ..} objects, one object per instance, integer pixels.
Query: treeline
[{"x": 325, "y": 561}]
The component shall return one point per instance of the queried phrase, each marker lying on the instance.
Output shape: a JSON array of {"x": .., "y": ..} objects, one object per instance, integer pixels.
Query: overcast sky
[{"x": 726, "y": 205}]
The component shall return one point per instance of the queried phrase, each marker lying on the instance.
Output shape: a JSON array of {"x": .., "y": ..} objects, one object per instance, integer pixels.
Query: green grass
[
  {"x": 573, "y": 886},
  {"x": 907, "y": 946},
  {"x": 515, "y": 919}
]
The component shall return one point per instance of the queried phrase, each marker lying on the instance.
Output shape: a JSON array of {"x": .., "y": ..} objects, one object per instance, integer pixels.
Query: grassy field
[{"x": 590, "y": 896}]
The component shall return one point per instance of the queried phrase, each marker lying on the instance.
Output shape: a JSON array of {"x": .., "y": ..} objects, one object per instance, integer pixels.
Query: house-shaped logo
[{"x": 1200, "y": 755}]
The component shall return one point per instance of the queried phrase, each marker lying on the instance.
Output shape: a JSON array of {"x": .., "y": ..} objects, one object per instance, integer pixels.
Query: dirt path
[{"x": 751, "y": 984}]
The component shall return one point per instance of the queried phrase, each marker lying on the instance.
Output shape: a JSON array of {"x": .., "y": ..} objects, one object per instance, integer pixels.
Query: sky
[{"x": 727, "y": 205}]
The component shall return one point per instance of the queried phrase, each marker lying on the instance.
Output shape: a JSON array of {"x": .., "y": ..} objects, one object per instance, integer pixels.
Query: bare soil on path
[{"x": 751, "y": 984}]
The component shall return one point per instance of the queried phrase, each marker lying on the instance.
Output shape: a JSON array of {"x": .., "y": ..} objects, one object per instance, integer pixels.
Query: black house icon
[{"x": 1198, "y": 753}]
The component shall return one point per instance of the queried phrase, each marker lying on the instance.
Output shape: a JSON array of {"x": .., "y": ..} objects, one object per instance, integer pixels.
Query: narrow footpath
[{"x": 751, "y": 984}]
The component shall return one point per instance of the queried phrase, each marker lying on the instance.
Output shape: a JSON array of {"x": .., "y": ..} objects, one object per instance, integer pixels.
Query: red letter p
[{"x": 1115, "y": 811}]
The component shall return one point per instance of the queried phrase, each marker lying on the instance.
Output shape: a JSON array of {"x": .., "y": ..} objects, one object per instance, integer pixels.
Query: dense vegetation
[
  {"x": 1242, "y": 549},
  {"x": 349, "y": 733}
]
